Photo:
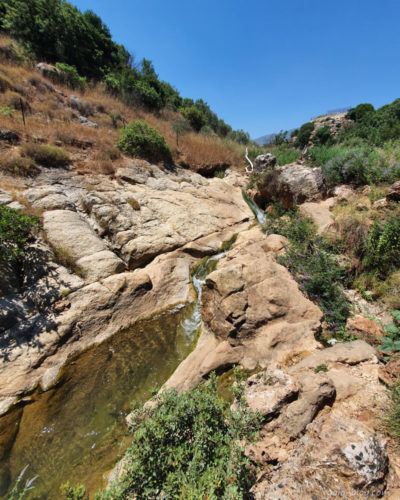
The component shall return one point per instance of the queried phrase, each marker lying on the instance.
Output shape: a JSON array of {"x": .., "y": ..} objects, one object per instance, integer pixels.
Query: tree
[
  {"x": 194, "y": 116},
  {"x": 180, "y": 126}
]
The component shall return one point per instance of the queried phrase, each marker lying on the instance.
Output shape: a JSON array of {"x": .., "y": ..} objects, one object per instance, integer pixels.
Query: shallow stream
[{"x": 73, "y": 431}]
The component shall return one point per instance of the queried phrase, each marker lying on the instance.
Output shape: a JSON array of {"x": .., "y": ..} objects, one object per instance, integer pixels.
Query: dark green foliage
[
  {"x": 391, "y": 340},
  {"x": 359, "y": 113},
  {"x": 239, "y": 136},
  {"x": 382, "y": 251},
  {"x": 322, "y": 135},
  {"x": 376, "y": 127},
  {"x": 15, "y": 230},
  {"x": 321, "y": 368},
  {"x": 71, "y": 76},
  {"x": 312, "y": 265},
  {"x": 140, "y": 140},
  {"x": 360, "y": 165},
  {"x": 55, "y": 30},
  {"x": 195, "y": 117},
  {"x": 187, "y": 447},
  {"x": 304, "y": 134},
  {"x": 147, "y": 95},
  {"x": 48, "y": 156}
]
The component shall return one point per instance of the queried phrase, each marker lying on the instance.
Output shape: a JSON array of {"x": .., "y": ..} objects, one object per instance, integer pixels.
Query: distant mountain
[{"x": 267, "y": 139}]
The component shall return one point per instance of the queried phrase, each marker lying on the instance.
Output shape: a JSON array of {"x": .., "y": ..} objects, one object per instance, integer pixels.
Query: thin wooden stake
[{"x": 22, "y": 111}]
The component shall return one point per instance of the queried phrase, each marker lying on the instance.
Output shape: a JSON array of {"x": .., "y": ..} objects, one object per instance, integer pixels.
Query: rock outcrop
[
  {"x": 291, "y": 184},
  {"x": 253, "y": 314},
  {"x": 132, "y": 240}
]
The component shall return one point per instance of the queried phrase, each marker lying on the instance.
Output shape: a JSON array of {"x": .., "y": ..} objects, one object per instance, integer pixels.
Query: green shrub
[
  {"x": 284, "y": 154},
  {"x": 220, "y": 174},
  {"x": 147, "y": 95},
  {"x": 189, "y": 446},
  {"x": 382, "y": 251},
  {"x": 360, "y": 165},
  {"x": 304, "y": 135},
  {"x": 71, "y": 77},
  {"x": 360, "y": 112},
  {"x": 311, "y": 264},
  {"x": 15, "y": 230},
  {"x": 48, "y": 156},
  {"x": 140, "y": 140},
  {"x": 322, "y": 135},
  {"x": 321, "y": 368},
  {"x": 195, "y": 117}
]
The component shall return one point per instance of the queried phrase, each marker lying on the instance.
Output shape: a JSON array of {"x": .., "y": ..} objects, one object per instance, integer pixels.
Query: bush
[
  {"x": 304, "y": 135},
  {"x": 311, "y": 264},
  {"x": 140, "y": 140},
  {"x": 383, "y": 246},
  {"x": 195, "y": 117},
  {"x": 70, "y": 76},
  {"x": 15, "y": 230},
  {"x": 148, "y": 96},
  {"x": 361, "y": 165},
  {"x": 284, "y": 154},
  {"x": 189, "y": 445},
  {"x": 48, "y": 156},
  {"x": 322, "y": 135}
]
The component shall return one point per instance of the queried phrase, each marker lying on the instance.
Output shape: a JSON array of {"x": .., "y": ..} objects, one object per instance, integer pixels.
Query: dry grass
[{"x": 51, "y": 118}]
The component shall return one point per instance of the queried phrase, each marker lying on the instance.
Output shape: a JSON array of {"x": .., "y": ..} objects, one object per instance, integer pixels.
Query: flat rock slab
[{"x": 71, "y": 235}]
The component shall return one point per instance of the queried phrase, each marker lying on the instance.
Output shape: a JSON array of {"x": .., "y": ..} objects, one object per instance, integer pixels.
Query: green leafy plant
[
  {"x": 304, "y": 134},
  {"x": 321, "y": 368},
  {"x": 15, "y": 230},
  {"x": 6, "y": 110},
  {"x": 220, "y": 174},
  {"x": 311, "y": 263},
  {"x": 393, "y": 418},
  {"x": 382, "y": 250},
  {"x": 71, "y": 77},
  {"x": 74, "y": 492},
  {"x": 187, "y": 446},
  {"x": 19, "y": 491},
  {"x": 391, "y": 341},
  {"x": 143, "y": 141}
]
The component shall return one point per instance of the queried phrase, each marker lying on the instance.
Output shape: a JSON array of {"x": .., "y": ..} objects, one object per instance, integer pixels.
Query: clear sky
[{"x": 265, "y": 65}]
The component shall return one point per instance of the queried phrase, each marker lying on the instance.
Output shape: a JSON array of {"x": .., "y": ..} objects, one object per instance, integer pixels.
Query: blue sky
[{"x": 265, "y": 65}]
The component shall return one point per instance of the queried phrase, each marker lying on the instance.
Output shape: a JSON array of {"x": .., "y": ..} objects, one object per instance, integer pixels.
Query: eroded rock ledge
[{"x": 133, "y": 241}]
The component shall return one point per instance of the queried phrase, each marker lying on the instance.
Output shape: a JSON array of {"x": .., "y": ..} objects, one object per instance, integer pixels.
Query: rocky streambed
[{"x": 77, "y": 349}]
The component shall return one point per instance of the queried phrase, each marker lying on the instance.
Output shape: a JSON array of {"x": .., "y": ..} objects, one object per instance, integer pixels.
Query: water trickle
[{"x": 260, "y": 215}]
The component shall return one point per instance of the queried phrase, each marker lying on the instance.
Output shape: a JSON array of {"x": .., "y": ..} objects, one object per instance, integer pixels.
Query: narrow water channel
[
  {"x": 260, "y": 214},
  {"x": 73, "y": 431}
]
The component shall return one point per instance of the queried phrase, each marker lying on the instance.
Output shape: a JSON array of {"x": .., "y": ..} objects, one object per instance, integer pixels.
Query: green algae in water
[{"x": 72, "y": 432}]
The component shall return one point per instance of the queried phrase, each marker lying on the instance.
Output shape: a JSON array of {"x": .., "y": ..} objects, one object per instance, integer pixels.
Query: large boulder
[
  {"x": 75, "y": 241},
  {"x": 264, "y": 162},
  {"x": 393, "y": 192},
  {"x": 291, "y": 184},
  {"x": 253, "y": 314}
]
